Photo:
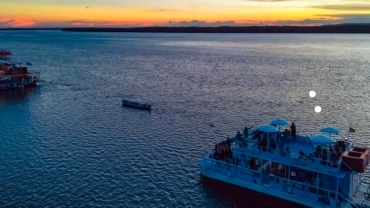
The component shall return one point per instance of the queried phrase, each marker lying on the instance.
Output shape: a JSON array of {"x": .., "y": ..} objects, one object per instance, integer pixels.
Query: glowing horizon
[{"x": 123, "y": 13}]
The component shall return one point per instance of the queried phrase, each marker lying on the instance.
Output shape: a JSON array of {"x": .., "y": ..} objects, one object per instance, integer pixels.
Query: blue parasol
[
  {"x": 321, "y": 140},
  {"x": 279, "y": 122},
  {"x": 330, "y": 130},
  {"x": 267, "y": 128}
]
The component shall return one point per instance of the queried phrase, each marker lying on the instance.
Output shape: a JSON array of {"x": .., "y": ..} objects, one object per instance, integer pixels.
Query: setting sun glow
[{"x": 113, "y": 13}]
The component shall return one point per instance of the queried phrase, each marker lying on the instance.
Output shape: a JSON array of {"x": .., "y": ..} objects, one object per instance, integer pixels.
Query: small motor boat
[{"x": 131, "y": 104}]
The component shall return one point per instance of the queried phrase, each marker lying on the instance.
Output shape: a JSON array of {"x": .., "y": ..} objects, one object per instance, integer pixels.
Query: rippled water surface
[{"x": 70, "y": 143}]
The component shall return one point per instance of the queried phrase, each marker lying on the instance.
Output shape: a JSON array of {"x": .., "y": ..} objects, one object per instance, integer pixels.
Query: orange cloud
[{"x": 7, "y": 21}]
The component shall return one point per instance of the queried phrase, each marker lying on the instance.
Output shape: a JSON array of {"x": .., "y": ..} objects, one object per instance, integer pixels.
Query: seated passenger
[
  {"x": 286, "y": 132},
  {"x": 215, "y": 151},
  {"x": 308, "y": 178},
  {"x": 334, "y": 156},
  {"x": 244, "y": 143},
  {"x": 252, "y": 164},
  {"x": 293, "y": 174},
  {"x": 279, "y": 138},
  {"x": 272, "y": 145},
  {"x": 318, "y": 151},
  {"x": 287, "y": 152},
  {"x": 281, "y": 147},
  {"x": 324, "y": 157},
  {"x": 259, "y": 143},
  {"x": 264, "y": 144},
  {"x": 342, "y": 145},
  {"x": 301, "y": 155},
  {"x": 228, "y": 142},
  {"x": 236, "y": 161},
  {"x": 256, "y": 135},
  {"x": 339, "y": 152},
  {"x": 274, "y": 170},
  {"x": 281, "y": 170}
]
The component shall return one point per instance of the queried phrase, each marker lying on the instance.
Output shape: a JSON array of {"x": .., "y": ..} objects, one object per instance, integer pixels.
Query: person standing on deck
[
  {"x": 246, "y": 129},
  {"x": 293, "y": 131}
]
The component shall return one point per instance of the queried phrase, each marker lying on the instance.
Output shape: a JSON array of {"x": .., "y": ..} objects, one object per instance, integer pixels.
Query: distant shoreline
[
  {"x": 248, "y": 29},
  {"x": 342, "y": 28},
  {"x": 29, "y": 28}
]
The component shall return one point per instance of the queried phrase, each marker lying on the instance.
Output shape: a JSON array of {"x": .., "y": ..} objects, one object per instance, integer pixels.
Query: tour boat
[
  {"x": 15, "y": 75},
  {"x": 316, "y": 171},
  {"x": 5, "y": 54}
]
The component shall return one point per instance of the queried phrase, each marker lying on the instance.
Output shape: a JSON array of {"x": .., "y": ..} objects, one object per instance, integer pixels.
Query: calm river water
[{"x": 70, "y": 143}]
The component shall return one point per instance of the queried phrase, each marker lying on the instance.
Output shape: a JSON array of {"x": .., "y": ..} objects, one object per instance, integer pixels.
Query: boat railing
[
  {"x": 347, "y": 166},
  {"x": 316, "y": 189},
  {"x": 302, "y": 159},
  {"x": 230, "y": 166},
  {"x": 252, "y": 130},
  {"x": 285, "y": 181},
  {"x": 308, "y": 187},
  {"x": 352, "y": 201}
]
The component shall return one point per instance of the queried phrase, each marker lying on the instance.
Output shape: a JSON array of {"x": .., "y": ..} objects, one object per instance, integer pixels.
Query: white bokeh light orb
[
  {"x": 317, "y": 109},
  {"x": 312, "y": 93}
]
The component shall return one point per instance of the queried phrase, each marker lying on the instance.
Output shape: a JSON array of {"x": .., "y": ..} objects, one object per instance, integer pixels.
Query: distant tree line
[
  {"x": 340, "y": 28},
  {"x": 357, "y": 28}
]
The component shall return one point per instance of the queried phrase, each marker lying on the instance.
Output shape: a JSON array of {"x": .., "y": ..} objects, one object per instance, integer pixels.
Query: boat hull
[
  {"x": 14, "y": 85},
  {"x": 136, "y": 105},
  {"x": 255, "y": 185}
]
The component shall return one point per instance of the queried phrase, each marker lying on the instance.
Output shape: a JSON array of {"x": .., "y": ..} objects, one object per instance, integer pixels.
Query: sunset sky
[{"x": 129, "y": 13}]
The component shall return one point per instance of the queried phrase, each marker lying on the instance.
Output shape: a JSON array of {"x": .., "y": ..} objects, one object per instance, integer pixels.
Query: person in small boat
[
  {"x": 293, "y": 131},
  {"x": 246, "y": 129}
]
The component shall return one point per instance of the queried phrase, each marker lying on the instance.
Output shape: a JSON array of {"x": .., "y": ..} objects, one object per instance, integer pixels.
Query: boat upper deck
[
  {"x": 8, "y": 70},
  {"x": 299, "y": 153}
]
